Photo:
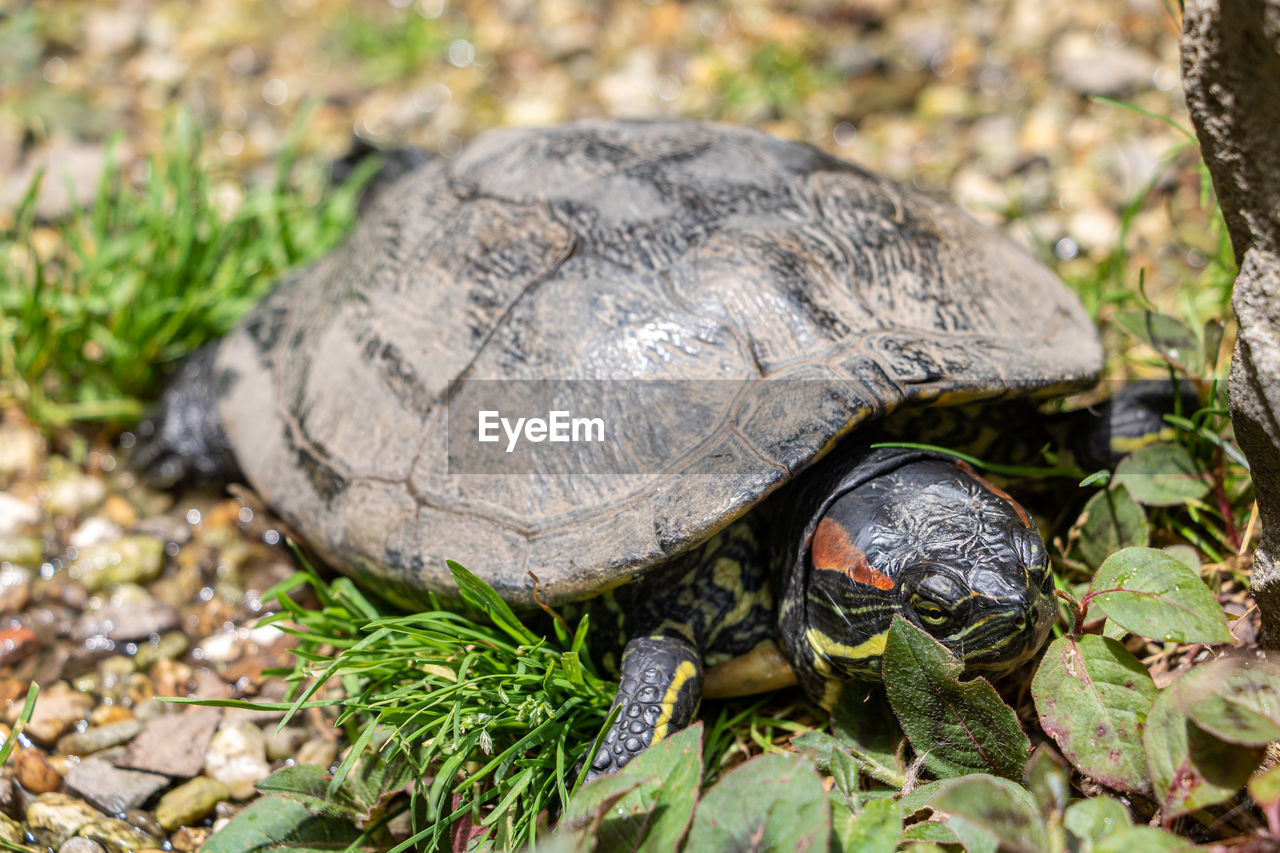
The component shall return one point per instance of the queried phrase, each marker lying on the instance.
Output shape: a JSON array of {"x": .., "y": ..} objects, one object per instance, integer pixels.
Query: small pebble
[
  {"x": 285, "y": 744},
  {"x": 34, "y": 772},
  {"x": 115, "y": 835},
  {"x": 190, "y": 802},
  {"x": 190, "y": 838},
  {"x": 95, "y": 531},
  {"x": 15, "y": 588},
  {"x": 99, "y": 737},
  {"x": 53, "y": 818},
  {"x": 237, "y": 757},
  {"x": 11, "y": 831},
  {"x": 173, "y": 744},
  {"x": 20, "y": 448},
  {"x": 119, "y": 511},
  {"x": 21, "y": 550},
  {"x": 81, "y": 845},
  {"x": 57, "y": 709},
  {"x": 16, "y": 513},
  {"x": 112, "y": 789},
  {"x": 71, "y": 492},
  {"x": 320, "y": 751},
  {"x": 136, "y": 558}
]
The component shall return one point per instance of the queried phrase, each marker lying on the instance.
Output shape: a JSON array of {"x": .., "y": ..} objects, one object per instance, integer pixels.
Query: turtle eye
[{"x": 930, "y": 612}]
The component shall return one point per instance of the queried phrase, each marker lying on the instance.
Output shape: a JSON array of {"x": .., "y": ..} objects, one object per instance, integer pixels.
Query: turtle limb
[
  {"x": 181, "y": 439},
  {"x": 658, "y": 693}
]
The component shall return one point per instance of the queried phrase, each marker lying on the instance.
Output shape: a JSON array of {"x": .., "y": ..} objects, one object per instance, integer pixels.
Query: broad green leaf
[
  {"x": 655, "y": 814},
  {"x": 1235, "y": 698},
  {"x": 995, "y": 806},
  {"x": 953, "y": 830},
  {"x": 308, "y": 784},
  {"x": 1092, "y": 697},
  {"x": 1189, "y": 767},
  {"x": 589, "y": 805},
  {"x": 1167, "y": 335},
  {"x": 1048, "y": 781},
  {"x": 772, "y": 802},
  {"x": 865, "y": 724},
  {"x": 875, "y": 829},
  {"x": 275, "y": 823},
  {"x": 957, "y": 726},
  {"x": 1149, "y": 593},
  {"x": 1111, "y": 520},
  {"x": 1147, "y": 839},
  {"x": 1094, "y": 819},
  {"x": 1161, "y": 475}
]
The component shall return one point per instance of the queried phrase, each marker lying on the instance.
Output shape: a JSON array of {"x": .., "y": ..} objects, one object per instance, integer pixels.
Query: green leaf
[
  {"x": 996, "y": 807},
  {"x": 1048, "y": 780},
  {"x": 1148, "y": 839},
  {"x": 1189, "y": 767},
  {"x": 875, "y": 829},
  {"x": 772, "y": 802},
  {"x": 655, "y": 814},
  {"x": 577, "y": 827},
  {"x": 275, "y": 823},
  {"x": 1169, "y": 336},
  {"x": 1094, "y": 819},
  {"x": 1235, "y": 698},
  {"x": 865, "y": 724},
  {"x": 1111, "y": 520},
  {"x": 1152, "y": 594},
  {"x": 958, "y": 727},
  {"x": 952, "y": 830},
  {"x": 1092, "y": 697},
  {"x": 1161, "y": 475}
]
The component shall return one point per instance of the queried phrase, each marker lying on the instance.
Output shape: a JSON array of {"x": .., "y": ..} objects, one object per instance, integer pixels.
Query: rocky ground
[{"x": 115, "y": 596}]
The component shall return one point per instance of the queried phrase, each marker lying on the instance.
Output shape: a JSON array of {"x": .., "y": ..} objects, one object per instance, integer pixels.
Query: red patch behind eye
[
  {"x": 834, "y": 551},
  {"x": 997, "y": 491}
]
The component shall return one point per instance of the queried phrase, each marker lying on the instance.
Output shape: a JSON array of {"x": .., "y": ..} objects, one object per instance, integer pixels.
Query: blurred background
[{"x": 995, "y": 104}]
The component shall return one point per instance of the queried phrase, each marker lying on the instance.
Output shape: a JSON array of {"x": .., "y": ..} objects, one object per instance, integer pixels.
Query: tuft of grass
[
  {"x": 491, "y": 718},
  {"x": 92, "y": 308}
]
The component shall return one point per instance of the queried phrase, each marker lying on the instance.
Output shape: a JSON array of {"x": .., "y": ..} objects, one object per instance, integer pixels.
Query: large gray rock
[{"x": 1230, "y": 69}]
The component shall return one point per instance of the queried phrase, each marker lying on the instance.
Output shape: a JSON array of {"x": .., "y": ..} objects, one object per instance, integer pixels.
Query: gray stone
[
  {"x": 81, "y": 845},
  {"x": 1084, "y": 64},
  {"x": 174, "y": 745},
  {"x": 190, "y": 802},
  {"x": 130, "y": 614},
  {"x": 99, "y": 737},
  {"x": 1230, "y": 62},
  {"x": 111, "y": 789}
]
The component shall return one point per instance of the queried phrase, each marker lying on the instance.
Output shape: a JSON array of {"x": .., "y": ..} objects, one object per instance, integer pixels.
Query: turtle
[{"x": 750, "y": 306}]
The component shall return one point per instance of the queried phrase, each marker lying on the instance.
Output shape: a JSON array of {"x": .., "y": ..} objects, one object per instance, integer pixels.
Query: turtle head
[{"x": 936, "y": 544}]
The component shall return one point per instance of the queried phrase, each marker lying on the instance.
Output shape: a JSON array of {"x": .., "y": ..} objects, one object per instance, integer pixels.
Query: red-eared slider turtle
[{"x": 743, "y": 304}]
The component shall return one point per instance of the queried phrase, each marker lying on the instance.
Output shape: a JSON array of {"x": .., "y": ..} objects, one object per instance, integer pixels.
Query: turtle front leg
[{"x": 658, "y": 693}]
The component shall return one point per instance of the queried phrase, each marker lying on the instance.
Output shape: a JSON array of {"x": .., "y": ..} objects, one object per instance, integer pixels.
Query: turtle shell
[{"x": 651, "y": 261}]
